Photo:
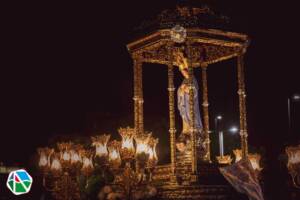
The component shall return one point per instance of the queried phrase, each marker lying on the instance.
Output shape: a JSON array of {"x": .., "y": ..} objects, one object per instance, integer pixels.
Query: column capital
[
  {"x": 137, "y": 57},
  {"x": 204, "y": 66}
]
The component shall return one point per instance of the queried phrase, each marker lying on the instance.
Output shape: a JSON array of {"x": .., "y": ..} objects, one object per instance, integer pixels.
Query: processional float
[{"x": 190, "y": 38}]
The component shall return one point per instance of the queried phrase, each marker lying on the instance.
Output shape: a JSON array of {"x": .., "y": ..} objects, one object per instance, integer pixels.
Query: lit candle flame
[
  {"x": 75, "y": 157},
  {"x": 114, "y": 155},
  {"x": 101, "y": 150},
  {"x": 294, "y": 157},
  {"x": 127, "y": 143},
  {"x": 255, "y": 161},
  {"x": 56, "y": 164},
  {"x": 43, "y": 160},
  {"x": 238, "y": 154},
  {"x": 100, "y": 143},
  {"x": 87, "y": 163},
  {"x": 142, "y": 148},
  {"x": 66, "y": 156}
]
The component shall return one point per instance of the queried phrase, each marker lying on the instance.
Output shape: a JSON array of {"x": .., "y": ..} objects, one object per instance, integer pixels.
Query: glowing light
[
  {"x": 152, "y": 149},
  {"x": 75, "y": 157},
  {"x": 142, "y": 143},
  {"x": 87, "y": 163},
  {"x": 100, "y": 143},
  {"x": 127, "y": 143},
  {"x": 44, "y": 159},
  {"x": 238, "y": 154},
  {"x": 293, "y": 155},
  {"x": 142, "y": 148},
  {"x": 66, "y": 156},
  {"x": 114, "y": 154},
  {"x": 296, "y": 97},
  {"x": 56, "y": 164},
  {"x": 255, "y": 161},
  {"x": 233, "y": 129},
  {"x": 64, "y": 149},
  {"x": 43, "y": 162}
]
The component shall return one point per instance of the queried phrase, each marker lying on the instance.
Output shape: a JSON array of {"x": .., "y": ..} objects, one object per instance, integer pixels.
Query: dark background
[{"x": 65, "y": 70}]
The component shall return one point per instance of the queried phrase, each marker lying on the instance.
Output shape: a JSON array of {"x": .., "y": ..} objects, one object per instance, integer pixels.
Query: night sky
[{"x": 65, "y": 70}]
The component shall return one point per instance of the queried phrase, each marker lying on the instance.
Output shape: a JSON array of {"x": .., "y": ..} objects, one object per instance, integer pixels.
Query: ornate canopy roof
[{"x": 205, "y": 31}]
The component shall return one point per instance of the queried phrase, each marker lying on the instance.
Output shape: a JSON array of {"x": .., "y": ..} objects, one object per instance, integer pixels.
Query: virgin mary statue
[{"x": 183, "y": 104}]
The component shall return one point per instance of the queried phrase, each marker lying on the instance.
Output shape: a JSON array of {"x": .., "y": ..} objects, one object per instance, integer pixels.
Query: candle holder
[
  {"x": 101, "y": 150},
  {"x": 238, "y": 154},
  {"x": 225, "y": 160},
  {"x": 255, "y": 161},
  {"x": 152, "y": 161},
  {"x": 293, "y": 164},
  {"x": 87, "y": 162},
  {"x": 142, "y": 148},
  {"x": 127, "y": 147},
  {"x": 70, "y": 161},
  {"x": 114, "y": 158}
]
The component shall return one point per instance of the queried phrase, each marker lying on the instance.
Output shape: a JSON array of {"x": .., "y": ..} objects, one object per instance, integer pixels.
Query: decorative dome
[{"x": 187, "y": 15}]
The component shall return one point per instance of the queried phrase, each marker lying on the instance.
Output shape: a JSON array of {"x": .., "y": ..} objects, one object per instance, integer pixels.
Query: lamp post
[
  {"x": 217, "y": 119},
  {"x": 293, "y": 98},
  {"x": 225, "y": 159},
  {"x": 221, "y": 139},
  {"x": 222, "y": 159}
]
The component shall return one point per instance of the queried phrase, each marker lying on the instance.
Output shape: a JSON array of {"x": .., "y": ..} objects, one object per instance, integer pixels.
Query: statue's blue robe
[{"x": 184, "y": 106}]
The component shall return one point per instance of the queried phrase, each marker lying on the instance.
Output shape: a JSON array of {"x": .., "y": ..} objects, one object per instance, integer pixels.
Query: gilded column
[
  {"x": 140, "y": 98},
  {"x": 242, "y": 105},
  {"x": 135, "y": 92},
  {"x": 205, "y": 105},
  {"x": 172, "y": 129},
  {"x": 192, "y": 111}
]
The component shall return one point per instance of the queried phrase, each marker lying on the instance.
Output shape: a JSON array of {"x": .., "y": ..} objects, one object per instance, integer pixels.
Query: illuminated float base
[{"x": 209, "y": 186}]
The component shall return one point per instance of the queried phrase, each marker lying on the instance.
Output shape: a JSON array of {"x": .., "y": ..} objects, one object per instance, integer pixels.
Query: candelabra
[
  {"x": 61, "y": 168},
  {"x": 131, "y": 162},
  {"x": 293, "y": 164}
]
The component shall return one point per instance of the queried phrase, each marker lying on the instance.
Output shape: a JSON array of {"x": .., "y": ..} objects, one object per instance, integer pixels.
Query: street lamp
[
  {"x": 233, "y": 129},
  {"x": 293, "y": 98},
  {"x": 217, "y": 119}
]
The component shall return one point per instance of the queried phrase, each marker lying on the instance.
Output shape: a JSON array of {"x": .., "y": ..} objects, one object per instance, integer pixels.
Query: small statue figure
[{"x": 183, "y": 103}]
